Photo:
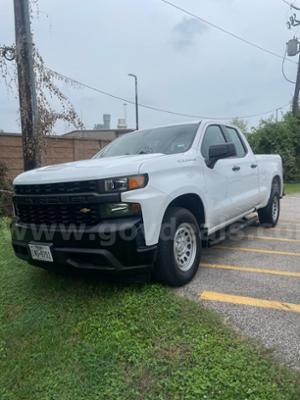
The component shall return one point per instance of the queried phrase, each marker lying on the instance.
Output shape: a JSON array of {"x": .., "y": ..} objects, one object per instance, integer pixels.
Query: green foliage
[
  {"x": 291, "y": 188},
  {"x": 74, "y": 338},
  {"x": 281, "y": 138},
  {"x": 3, "y": 175},
  {"x": 240, "y": 123},
  {"x": 5, "y": 198}
]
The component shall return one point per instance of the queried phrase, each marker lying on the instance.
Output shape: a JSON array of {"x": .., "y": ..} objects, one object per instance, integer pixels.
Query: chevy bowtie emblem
[{"x": 85, "y": 210}]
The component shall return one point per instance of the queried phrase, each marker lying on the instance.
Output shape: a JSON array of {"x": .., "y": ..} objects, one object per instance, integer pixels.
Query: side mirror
[{"x": 220, "y": 151}]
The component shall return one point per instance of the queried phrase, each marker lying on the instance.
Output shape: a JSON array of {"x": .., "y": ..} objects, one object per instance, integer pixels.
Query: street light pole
[{"x": 136, "y": 100}]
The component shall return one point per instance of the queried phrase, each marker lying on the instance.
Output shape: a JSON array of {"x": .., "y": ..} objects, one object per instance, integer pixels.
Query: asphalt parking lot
[{"x": 253, "y": 280}]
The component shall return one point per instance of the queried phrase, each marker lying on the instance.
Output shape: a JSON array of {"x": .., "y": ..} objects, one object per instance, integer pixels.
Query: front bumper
[{"x": 112, "y": 245}]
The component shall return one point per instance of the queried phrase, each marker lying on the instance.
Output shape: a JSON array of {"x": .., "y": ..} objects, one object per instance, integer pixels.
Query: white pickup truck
[{"x": 145, "y": 201}]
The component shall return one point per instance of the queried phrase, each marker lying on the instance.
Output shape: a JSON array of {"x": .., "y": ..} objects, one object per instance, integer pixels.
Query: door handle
[
  {"x": 253, "y": 165},
  {"x": 236, "y": 168}
]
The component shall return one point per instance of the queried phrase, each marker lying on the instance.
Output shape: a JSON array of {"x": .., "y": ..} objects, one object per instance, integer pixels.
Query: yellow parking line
[
  {"x": 249, "y": 301},
  {"x": 274, "y": 238},
  {"x": 262, "y": 251},
  {"x": 251, "y": 269}
]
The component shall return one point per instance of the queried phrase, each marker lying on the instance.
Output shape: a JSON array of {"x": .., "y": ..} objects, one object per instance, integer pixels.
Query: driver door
[{"x": 217, "y": 178}]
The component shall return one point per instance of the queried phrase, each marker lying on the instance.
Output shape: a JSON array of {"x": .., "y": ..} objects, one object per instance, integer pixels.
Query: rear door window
[{"x": 232, "y": 136}]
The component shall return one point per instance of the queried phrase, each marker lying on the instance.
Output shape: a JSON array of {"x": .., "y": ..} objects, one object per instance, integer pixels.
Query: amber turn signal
[{"x": 136, "y": 182}]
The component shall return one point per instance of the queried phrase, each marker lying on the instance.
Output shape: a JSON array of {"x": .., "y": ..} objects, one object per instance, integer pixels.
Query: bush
[
  {"x": 5, "y": 197},
  {"x": 281, "y": 138}
]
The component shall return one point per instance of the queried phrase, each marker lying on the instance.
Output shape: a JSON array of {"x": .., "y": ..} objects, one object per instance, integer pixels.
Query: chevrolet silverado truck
[{"x": 145, "y": 201}]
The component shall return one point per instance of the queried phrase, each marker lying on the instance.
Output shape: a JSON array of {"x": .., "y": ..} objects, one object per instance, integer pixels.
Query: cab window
[{"x": 212, "y": 137}]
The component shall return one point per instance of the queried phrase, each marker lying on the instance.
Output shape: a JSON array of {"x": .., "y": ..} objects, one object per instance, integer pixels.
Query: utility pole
[
  {"x": 296, "y": 92},
  {"x": 27, "y": 91},
  {"x": 293, "y": 48},
  {"x": 136, "y": 100}
]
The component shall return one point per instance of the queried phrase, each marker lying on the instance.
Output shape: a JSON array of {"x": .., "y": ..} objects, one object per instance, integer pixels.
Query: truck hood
[{"x": 85, "y": 170}]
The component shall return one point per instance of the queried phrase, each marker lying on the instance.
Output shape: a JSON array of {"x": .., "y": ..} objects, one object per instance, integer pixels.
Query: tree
[
  {"x": 281, "y": 138},
  {"x": 240, "y": 123},
  {"x": 48, "y": 93}
]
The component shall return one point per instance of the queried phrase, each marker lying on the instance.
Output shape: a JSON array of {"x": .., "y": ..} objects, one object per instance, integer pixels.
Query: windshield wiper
[{"x": 144, "y": 152}]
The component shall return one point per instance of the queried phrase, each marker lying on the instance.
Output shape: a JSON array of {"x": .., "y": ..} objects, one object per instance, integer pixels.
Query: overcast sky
[{"x": 182, "y": 64}]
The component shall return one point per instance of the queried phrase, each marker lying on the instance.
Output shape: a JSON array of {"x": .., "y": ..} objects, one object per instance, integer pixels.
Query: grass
[
  {"x": 72, "y": 338},
  {"x": 292, "y": 188}
]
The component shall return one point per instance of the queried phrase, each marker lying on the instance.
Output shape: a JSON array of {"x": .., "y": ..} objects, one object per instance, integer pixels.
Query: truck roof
[{"x": 199, "y": 121}]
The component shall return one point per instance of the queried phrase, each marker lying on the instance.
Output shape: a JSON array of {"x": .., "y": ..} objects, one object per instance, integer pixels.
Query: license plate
[{"x": 40, "y": 252}]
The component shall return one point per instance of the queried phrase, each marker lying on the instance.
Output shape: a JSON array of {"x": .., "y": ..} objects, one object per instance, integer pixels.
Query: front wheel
[
  {"x": 179, "y": 248},
  {"x": 269, "y": 215}
]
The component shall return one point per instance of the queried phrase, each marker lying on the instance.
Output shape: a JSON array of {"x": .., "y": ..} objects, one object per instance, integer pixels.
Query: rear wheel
[
  {"x": 269, "y": 215},
  {"x": 179, "y": 248}
]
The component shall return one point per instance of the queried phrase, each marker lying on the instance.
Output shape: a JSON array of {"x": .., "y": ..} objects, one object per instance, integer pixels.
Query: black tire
[
  {"x": 269, "y": 215},
  {"x": 181, "y": 223}
]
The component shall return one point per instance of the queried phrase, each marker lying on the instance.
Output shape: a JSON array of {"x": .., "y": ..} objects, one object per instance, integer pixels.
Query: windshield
[{"x": 168, "y": 140}]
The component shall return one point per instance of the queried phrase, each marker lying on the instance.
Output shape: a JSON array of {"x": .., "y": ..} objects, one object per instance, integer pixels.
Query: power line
[
  {"x": 292, "y": 5},
  {"x": 79, "y": 83},
  {"x": 240, "y": 38}
]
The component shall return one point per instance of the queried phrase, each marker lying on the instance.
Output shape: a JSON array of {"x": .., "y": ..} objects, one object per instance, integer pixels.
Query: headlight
[
  {"x": 117, "y": 210},
  {"x": 125, "y": 183}
]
